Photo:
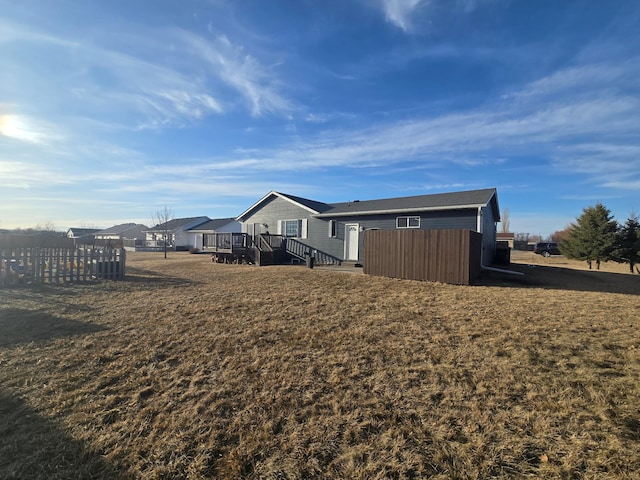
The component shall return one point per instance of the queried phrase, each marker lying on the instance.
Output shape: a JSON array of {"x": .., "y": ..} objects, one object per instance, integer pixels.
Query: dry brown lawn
[{"x": 189, "y": 370}]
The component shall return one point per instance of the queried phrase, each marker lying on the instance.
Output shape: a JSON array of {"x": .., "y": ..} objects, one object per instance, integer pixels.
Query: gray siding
[
  {"x": 318, "y": 238},
  {"x": 319, "y": 227},
  {"x": 274, "y": 209},
  {"x": 488, "y": 235}
]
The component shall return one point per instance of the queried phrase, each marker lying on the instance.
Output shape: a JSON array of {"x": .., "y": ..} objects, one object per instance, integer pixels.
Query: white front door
[{"x": 352, "y": 231}]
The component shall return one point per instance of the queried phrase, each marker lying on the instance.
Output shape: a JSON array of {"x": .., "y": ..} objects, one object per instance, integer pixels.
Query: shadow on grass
[
  {"x": 558, "y": 278},
  {"x": 24, "y": 326},
  {"x": 140, "y": 275},
  {"x": 33, "y": 447}
]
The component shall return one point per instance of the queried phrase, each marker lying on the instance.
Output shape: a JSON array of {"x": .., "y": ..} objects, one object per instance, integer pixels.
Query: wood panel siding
[{"x": 449, "y": 256}]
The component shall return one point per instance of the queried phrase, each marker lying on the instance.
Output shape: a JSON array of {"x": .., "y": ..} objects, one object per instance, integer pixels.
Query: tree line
[{"x": 597, "y": 237}]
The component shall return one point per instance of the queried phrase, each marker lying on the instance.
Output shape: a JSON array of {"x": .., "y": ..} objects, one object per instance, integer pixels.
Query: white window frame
[
  {"x": 301, "y": 227},
  {"x": 333, "y": 228},
  {"x": 407, "y": 221}
]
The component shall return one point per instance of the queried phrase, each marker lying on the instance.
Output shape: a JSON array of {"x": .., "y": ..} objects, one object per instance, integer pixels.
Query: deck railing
[
  {"x": 301, "y": 250},
  {"x": 226, "y": 242},
  {"x": 269, "y": 242}
]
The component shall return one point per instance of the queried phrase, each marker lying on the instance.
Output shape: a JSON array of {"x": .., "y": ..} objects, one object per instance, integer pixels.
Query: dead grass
[{"x": 192, "y": 370}]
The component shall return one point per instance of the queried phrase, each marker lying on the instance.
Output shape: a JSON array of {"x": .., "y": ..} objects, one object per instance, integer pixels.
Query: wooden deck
[
  {"x": 227, "y": 247},
  {"x": 263, "y": 249}
]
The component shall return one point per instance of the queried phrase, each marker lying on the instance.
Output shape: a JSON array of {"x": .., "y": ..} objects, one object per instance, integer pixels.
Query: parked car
[{"x": 546, "y": 249}]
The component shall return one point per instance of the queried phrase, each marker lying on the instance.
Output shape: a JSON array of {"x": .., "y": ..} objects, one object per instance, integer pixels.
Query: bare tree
[
  {"x": 505, "y": 221},
  {"x": 48, "y": 227},
  {"x": 162, "y": 218}
]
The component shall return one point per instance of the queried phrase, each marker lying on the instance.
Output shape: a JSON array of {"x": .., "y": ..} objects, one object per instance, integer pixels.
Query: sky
[{"x": 112, "y": 110}]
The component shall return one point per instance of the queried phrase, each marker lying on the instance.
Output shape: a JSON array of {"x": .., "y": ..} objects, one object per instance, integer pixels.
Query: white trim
[
  {"x": 301, "y": 227},
  {"x": 408, "y": 217},
  {"x": 279, "y": 195},
  {"x": 399, "y": 210},
  {"x": 346, "y": 241},
  {"x": 333, "y": 228},
  {"x": 219, "y": 229}
]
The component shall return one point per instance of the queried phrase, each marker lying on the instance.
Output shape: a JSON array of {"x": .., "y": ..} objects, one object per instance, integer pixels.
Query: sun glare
[
  {"x": 15, "y": 127},
  {"x": 8, "y": 126}
]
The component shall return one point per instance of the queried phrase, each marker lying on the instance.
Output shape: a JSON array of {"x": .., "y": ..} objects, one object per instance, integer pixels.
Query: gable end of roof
[{"x": 312, "y": 206}]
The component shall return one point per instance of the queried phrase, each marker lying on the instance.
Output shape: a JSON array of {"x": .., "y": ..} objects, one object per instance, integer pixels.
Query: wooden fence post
[{"x": 39, "y": 265}]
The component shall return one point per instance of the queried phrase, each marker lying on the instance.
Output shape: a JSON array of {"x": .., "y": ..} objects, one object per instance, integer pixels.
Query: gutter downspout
[
  {"x": 479, "y": 230},
  {"x": 500, "y": 270}
]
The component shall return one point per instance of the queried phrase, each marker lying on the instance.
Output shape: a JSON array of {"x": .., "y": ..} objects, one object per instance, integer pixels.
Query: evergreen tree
[
  {"x": 628, "y": 243},
  {"x": 592, "y": 237}
]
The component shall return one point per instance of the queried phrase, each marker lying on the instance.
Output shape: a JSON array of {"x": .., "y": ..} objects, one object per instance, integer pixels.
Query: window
[
  {"x": 292, "y": 228},
  {"x": 333, "y": 228},
  {"x": 408, "y": 222}
]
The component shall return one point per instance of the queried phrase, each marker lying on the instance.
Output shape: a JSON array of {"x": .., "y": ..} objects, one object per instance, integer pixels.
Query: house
[
  {"x": 76, "y": 232},
  {"x": 82, "y": 236},
  {"x": 198, "y": 235},
  {"x": 336, "y": 230},
  {"x": 506, "y": 237},
  {"x": 118, "y": 234},
  {"x": 175, "y": 232}
]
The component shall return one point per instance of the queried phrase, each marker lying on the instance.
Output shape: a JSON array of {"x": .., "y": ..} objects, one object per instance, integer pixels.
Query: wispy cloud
[
  {"x": 610, "y": 165},
  {"x": 398, "y": 12},
  {"x": 565, "y": 118},
  {"x": 241, "y": 71},
  {"x": 402, "y": 13},
  {"x": 160, "y": 94},
  {"x": 599, "y": 77},
  {"x": 169, "y": 78},
  {"x": 11, "y": 32}
]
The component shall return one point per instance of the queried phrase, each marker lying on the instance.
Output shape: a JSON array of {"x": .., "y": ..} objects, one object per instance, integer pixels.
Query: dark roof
[
  {"x": 176, "y": 223},
  {"x": 437, "y": 201},
  {"x": 319, "y": 207},
  {"x": 312, "y": 205},
  {"x": 83, "y": 231},
  {"x": 118, "y": 229},
  {"x": 213, "y": 225}
]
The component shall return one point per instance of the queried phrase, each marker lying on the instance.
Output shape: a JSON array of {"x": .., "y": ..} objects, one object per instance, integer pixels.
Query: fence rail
[{"x": 39, "y": 265}]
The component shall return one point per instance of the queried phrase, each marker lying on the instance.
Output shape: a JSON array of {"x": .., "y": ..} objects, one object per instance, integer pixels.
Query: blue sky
[{"x": 110, "y": 110}]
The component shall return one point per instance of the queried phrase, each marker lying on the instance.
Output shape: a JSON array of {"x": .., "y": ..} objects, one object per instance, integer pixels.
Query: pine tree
[
  {"x": 628, "y": 242},
  {"x": 592, "y": 237}
]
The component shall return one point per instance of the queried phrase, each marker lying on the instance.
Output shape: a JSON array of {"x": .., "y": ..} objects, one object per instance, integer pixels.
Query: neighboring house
[
  {"x": 81, "y": 232},
  {"x": 82, "y": 236},
  {"x": 119, "y": 234},
  {"x": 506, "y": 237},
  {"x": 337, "y": 229},
  {"x": 176, "y": 232},
  {"x": 198, "y": 234}
]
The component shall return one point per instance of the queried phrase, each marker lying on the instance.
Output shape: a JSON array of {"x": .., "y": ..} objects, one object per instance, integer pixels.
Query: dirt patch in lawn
[{"x": 189, "y": 369}]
